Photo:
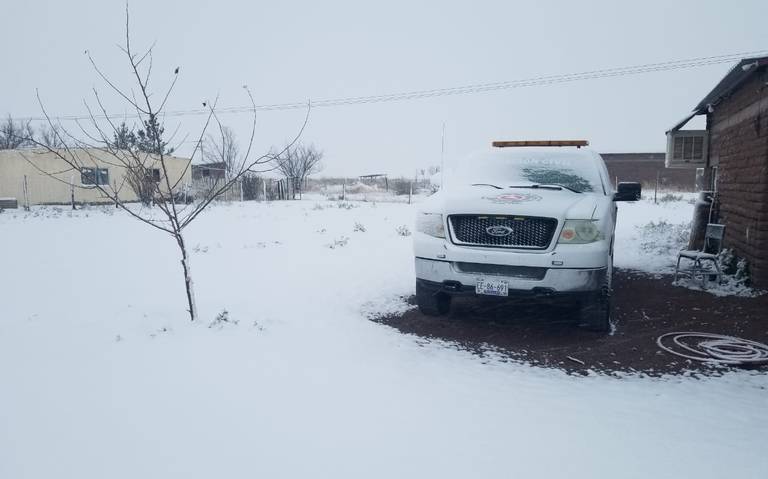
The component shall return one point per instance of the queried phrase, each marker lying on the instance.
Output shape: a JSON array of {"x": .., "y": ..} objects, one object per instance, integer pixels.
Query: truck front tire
[
  {"x": 596, "y": 312},
  {"x": 431, "y": 302}
]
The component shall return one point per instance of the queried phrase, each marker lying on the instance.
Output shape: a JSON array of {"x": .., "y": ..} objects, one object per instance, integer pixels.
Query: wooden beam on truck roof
[{"x": 508, "y": 144}]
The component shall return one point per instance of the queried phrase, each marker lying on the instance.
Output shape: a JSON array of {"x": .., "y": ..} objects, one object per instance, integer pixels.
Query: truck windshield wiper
[
  {"x": 488, "y": 184},
  {"x": 546, "y": 187}
]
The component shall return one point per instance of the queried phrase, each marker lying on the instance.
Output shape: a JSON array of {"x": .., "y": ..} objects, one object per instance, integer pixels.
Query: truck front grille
[{"x": 525, "y": 232}]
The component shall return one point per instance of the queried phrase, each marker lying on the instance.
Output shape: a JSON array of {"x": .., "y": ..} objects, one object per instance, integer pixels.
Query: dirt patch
[{"x": 645, "y": 307}]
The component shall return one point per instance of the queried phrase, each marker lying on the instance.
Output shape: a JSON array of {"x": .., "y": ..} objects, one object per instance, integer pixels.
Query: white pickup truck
[{"x": 524, "y": 218}]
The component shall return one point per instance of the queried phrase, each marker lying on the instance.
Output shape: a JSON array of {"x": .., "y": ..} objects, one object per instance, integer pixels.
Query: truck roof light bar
[{"x": 509, "y": 144}]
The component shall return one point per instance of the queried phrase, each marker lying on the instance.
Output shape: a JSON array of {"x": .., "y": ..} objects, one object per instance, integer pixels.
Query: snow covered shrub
[
  {"x": 742, "y": 272},
  {"x": 663, "y": 238},
  {"x": 403, "y": 230},
  {"x": 727, "y": 261},
  {"x": 358, "y": 187},
  {"x": 735, "y": 267},
  {"x": 346, "y": 205},
  {"x": 359, "y": 227},
  {"x": 400, "y": 186},
  {"x": 221, "y": 320},
  {"x": 670, "y": 197},
  {"x": 338, "y": 243}
]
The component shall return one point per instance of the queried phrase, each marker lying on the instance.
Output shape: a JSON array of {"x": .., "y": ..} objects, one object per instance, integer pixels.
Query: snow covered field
[{"x": 103, "y": 376}]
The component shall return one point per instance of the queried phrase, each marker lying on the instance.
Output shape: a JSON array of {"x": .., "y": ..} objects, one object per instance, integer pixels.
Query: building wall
[
  {"x": 49, "y": 177},
  {"x": 643, "y": 168},
  {"x": 739, "y": 150}
]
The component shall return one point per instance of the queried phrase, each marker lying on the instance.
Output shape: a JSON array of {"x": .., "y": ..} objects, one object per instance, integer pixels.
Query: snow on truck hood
[{"x": 562, "y": 204}]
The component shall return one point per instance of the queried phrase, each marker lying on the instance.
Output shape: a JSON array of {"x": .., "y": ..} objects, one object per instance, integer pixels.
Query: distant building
[
  {"x": 44, "y": 178},
  {"x": 645, "y": 168},
  {"x": 216, "y": 171},
  {"x": 733, "y": 151}
]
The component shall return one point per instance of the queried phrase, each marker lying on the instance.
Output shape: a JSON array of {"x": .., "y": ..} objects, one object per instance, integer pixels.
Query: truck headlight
[
  {"x": 580, "y": 232},
  {"x": 430, "y": 224}
]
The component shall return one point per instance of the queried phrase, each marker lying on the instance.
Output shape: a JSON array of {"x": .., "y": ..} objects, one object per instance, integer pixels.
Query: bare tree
[
  {"x": 150, "y": 160},
  {"x": 223, "y": 149},
  {"x": 15, "y": 134},
  {"x": 297, "y": 162},
  {"x": 51, "y": 136}
]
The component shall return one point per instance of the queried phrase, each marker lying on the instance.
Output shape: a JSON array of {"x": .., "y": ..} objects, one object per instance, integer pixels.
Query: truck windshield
[{"x": 517, "y": 168}]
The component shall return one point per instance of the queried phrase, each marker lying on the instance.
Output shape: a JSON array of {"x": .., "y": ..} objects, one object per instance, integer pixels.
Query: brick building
[{"x": 734, "y": 151}]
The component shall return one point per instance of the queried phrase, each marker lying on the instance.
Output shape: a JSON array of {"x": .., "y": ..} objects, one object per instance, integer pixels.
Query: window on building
[
  {"x": 154, "y": 174},
  {"x": 689, "y": 148},
  {"x": 94, "y": 176}
]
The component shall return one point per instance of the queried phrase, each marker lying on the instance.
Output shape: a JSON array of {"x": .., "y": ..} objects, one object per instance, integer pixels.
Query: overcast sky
[{"x": 296, "y": 51}]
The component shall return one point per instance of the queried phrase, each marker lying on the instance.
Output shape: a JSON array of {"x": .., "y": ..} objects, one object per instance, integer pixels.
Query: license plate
[{"x": 492, "y": 287}]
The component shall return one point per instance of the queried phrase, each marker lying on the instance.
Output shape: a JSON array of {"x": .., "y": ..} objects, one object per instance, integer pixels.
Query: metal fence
[{"x": 247, "y": 188}]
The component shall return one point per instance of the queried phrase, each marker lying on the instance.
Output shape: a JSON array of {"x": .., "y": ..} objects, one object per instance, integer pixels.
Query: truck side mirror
[{"x": 628, "y": 191}]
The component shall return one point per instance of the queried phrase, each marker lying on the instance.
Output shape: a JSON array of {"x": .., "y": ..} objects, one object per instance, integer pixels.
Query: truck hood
[{"x": 561, "y": 204}]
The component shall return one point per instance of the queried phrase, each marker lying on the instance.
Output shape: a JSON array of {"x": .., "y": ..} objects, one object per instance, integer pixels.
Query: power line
[{"x": 460, "y": 90}]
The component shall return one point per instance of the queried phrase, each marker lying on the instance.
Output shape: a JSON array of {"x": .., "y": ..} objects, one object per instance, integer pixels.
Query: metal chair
[{"x": 713, "y": 244}]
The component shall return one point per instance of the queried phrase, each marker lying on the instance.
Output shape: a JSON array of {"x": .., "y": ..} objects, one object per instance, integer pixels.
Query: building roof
[
  {"x": 632, "y": 157},
  {"x": 216, "y": 165},
  {"x": 732, "y": 81},
  {"x": 81, "y": 154}
]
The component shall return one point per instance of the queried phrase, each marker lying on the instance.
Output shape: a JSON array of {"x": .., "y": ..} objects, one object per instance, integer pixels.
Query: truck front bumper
[{"x": 460, "y": 278}]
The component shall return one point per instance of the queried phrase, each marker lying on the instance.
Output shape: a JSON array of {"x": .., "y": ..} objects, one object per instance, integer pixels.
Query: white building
[{"x": 41, "y": 177}]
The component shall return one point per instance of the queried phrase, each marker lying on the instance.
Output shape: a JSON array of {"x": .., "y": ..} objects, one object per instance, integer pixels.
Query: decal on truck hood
[{"x": 513, "y": 198}]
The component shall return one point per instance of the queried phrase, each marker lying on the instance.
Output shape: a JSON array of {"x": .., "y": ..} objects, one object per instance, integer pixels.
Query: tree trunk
[{"x": 187, "y": 277}]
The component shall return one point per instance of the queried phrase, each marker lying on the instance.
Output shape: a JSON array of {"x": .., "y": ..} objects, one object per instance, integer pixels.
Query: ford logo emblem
[{"x": 499, "y": 230}]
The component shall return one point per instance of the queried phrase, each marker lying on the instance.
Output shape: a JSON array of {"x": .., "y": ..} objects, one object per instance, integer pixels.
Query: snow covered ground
[
  {"x": 103, "y": 376},
  {"x": 649, "y": 236}
]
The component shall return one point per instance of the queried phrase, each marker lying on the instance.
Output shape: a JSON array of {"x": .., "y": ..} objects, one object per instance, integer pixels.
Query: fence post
[
  {"x": 344, "y": 190},
  {"x": 656, "y": 189},
  {"x": 26, "y": 194},
  {"x": 300, "y": 187},
  {"x": 241, "y": 189},
  {"x": 410, "y": 193},
  {"x": 72, "y": 191}
]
